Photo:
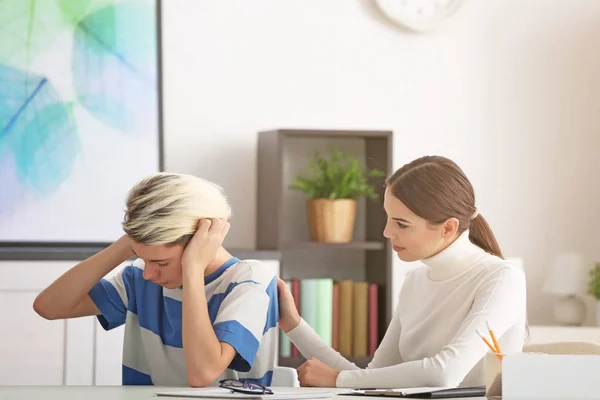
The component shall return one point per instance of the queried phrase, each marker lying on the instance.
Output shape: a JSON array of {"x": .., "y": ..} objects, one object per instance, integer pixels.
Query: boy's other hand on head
[{"x": 202, "y": 247}]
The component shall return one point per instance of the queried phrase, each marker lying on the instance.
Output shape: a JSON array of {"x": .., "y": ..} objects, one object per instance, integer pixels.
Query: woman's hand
[
  {"x": 289, "y": 318},
  {"x": 314, "y": 373}
]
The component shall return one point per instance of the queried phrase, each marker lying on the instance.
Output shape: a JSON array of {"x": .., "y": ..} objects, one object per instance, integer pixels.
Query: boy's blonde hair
[{"x": 165, "y": 208}]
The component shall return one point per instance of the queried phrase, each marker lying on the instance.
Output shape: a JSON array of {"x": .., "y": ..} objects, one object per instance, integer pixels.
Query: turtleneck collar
[{"x": 454, "y": 259}]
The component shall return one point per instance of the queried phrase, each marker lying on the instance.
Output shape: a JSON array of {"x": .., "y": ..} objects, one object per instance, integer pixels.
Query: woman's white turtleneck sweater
[{"x": 432, "y": 339}]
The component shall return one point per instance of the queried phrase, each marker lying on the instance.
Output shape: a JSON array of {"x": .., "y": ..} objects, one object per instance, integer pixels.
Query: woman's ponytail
[{"x": 481, "y": 234}]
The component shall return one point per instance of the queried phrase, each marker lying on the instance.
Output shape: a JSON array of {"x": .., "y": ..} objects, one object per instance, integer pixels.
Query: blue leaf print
[
  {"x": 112, "y": 74},
  {"x": 38, "y": 136}
]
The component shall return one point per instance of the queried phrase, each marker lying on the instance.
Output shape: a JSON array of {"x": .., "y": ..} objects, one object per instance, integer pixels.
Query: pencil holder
[{"x": 492, "y": 366}]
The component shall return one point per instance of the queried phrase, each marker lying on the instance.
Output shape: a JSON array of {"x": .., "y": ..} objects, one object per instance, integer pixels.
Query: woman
[{"x": 432, "y": 339}]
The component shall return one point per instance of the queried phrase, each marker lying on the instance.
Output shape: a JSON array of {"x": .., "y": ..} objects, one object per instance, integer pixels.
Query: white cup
[{"x": 492, "y": 366}]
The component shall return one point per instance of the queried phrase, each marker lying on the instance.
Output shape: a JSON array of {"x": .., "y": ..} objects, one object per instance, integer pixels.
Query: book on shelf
[
  {"x": 285, "y": 346},
  {"x": 296, "y": 295},
  {"x": 345, "y": 315}
]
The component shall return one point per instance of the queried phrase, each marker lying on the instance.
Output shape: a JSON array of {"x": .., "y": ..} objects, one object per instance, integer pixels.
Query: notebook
[
  {"x": 209, "y": 393},
  {"x": 422, "y": 393}
]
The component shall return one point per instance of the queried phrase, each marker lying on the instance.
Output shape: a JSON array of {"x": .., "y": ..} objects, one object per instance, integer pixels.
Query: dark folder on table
[{"x": 473, "y": 391}]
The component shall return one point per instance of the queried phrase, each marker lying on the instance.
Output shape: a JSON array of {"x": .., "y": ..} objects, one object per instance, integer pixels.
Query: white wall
[{"x": 499, "y": 90}]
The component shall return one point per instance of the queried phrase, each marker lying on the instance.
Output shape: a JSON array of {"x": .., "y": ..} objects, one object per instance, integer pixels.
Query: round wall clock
[{"x": 419, "y": 15}]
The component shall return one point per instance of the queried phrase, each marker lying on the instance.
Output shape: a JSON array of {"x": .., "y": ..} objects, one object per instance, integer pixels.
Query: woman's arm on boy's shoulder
[
  {"x": 67, "y": 296},
  {"x": 310, "y": 344}
]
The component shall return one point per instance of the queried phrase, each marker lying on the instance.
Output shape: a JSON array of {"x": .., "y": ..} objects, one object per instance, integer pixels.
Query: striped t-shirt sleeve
[
  {"x": 240, "y": 321},
  {"x": 111, "y": 297}
]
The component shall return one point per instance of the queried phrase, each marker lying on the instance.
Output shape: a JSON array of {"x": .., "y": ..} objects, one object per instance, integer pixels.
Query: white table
[{"x": 118, "y": 393}]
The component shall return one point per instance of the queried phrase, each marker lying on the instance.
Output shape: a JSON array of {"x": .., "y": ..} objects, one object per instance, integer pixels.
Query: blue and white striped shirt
[{"x": 242, "y": 305}]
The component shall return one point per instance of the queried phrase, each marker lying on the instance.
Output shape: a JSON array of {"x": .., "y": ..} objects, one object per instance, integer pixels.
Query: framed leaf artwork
[{"x": 80, "y": 116}]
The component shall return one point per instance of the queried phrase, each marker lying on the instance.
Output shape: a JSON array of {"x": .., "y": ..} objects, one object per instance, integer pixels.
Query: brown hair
[{"x": 435, "y": 189}]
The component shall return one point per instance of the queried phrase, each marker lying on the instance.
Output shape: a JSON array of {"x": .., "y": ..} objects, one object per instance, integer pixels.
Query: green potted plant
[
  {"x": 333, "y": 188},
  {"x": 594, "y": 289}
]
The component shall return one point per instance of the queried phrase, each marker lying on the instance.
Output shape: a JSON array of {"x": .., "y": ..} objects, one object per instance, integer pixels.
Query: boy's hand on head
[{"x": 202, "y": 247}]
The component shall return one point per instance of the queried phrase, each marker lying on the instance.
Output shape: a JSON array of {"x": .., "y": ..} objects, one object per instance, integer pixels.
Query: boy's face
[{"x": 162, "y": 263}]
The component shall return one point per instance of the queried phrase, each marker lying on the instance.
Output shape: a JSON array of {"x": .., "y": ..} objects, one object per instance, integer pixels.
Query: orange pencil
[
  {"x": 496, "y": 344},
  {"x": 486, "y": 341},
  {"x": 489, "y": 344}
]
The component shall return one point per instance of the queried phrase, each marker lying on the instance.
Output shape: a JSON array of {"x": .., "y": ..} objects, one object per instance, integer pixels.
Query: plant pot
[{"x": 331, "y": 221}]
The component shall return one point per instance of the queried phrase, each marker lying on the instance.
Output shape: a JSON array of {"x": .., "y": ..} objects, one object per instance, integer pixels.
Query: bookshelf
[
  {"x": 282, "y": 223},
  {"x": 349, "y": 246}
]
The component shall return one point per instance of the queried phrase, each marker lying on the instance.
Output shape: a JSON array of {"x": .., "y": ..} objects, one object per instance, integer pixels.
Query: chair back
[
  {"x": 584, "y": 348},
  {"x": 285, "y": 377}
]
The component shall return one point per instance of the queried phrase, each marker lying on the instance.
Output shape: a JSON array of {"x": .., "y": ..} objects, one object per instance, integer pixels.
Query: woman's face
[{"x": 414, "y": 238}]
